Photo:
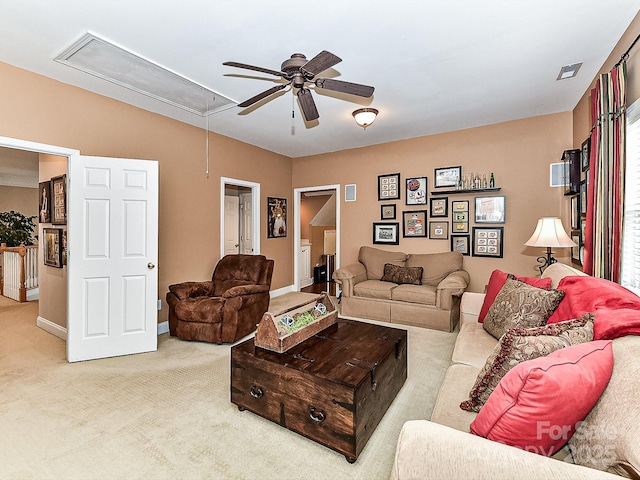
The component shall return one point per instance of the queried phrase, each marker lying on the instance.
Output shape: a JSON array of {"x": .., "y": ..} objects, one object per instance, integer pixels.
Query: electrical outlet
[{"x": 159, "y": 304}]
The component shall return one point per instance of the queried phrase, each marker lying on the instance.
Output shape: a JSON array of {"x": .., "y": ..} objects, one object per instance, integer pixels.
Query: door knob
[{"x": 150, "y": 266}]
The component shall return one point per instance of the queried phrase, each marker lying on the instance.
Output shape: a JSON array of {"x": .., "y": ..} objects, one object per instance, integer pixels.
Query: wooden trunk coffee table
[{"x": 333, "y": 388}]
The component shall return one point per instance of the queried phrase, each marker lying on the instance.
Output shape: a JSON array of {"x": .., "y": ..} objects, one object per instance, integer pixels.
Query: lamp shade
[
  {"x": 550, "y": 233},
  {"x": 365, "y": 116}
]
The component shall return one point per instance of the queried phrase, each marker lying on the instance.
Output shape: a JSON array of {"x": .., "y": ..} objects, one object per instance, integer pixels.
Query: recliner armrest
[
  {"x": 349, "y": 276},
  {"x": 241, "y": 290},
  {"x": 192, "y": 289}
]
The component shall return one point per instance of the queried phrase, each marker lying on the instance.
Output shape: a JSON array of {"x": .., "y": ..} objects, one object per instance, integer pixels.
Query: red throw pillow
[
  {"x": 539, "y": 403},
  {"x": 497, "y": 281}
]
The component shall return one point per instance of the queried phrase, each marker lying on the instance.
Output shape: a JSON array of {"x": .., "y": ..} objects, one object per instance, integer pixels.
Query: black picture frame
[
  {"x": 59, "y": 200},
  {"x": 461, "y": 244},
  {"x": 585, "y": 152},
  {"x": 439, "y": 230},
  {"x": 414, "y": 223},
  {"x": 416, "y": 191},
  {"x": 52, "y": 242},
  {"x": 44, "y": 202},
  {"x": 439, "y": 207},
  {"x": 387, "y": 211},
  {"x": 386, "y": 233},
  {"x": 488, "y": 242},
  {"x": 276, "y": 217},
  {"x": 490, "y": 209},
  {"x": 446, "y": 177},
  {"x": 389, "y": 186}
]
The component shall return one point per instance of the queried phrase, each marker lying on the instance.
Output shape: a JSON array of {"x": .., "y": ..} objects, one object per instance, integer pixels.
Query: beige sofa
[
  {"x": 442, "y": 449},
  {"x": 433, "y": 304}
]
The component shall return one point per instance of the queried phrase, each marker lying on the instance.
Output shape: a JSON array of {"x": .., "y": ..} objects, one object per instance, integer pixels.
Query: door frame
[
  {"x": 255, "y": 199},
  {"x": 297, "y": 195}
]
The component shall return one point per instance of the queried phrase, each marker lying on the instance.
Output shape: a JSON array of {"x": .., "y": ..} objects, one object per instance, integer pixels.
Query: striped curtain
[{"x": 605, "y": 180}]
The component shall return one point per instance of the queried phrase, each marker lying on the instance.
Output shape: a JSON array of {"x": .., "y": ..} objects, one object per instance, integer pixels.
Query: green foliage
[{"x": 16, "y": 229}]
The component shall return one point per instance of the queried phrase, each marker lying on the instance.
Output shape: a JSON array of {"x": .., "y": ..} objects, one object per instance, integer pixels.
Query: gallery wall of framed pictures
[{"x": 52, "y": 210}]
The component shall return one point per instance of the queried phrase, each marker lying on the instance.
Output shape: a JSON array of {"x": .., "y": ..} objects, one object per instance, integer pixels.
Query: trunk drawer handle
[
  {"x": 256, "y": 392},
  {"x": 317, "y": 415}
]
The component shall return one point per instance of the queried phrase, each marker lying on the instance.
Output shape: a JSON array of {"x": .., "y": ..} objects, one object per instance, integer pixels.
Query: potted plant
[{"x": 16, "y": 229}]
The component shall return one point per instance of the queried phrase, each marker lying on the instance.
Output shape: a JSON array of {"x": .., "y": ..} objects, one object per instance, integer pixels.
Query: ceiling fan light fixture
[{"x": 365, "y": 116}]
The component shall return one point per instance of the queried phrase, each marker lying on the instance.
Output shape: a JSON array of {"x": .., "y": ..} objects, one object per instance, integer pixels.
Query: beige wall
[
  {"x": 20, "y": 199},
  {"x": 518, "y": 152},
  {"x": 42, "y": 110}
]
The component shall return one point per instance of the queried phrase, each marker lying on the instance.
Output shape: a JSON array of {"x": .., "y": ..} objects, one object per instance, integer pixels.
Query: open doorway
[
  {"x": 317, "y": 238},
  {"x": 239, "y": 217}
]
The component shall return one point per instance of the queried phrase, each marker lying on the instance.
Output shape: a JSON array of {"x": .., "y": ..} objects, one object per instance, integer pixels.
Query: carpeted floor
[{"x": 167, "y": 414}]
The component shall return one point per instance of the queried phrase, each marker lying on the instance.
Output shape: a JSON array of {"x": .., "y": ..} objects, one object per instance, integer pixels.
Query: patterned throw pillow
[
  {"x": 396, "y": 274},
  {"x": 519, "y": 305},
  {"x": 521, "y": 344}
]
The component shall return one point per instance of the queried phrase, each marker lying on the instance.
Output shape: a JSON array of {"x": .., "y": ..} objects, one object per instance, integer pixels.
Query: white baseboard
[
  {"x": 281, "y": 291},
  {"x": 52, "y": 328},
  {"x": 163, "y": 327}
]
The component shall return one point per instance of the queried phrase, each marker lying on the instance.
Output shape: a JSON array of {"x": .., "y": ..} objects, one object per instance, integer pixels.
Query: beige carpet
[{"x": 167, "y": 414}]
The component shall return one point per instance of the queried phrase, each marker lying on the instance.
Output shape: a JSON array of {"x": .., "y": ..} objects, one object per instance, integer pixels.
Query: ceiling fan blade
[
  {"x": 345, "y": 87},
  {"x": 262, "y": 95},
  {"x": 307, "y": 105},
  {"x": 320, "y": 63},
  {"x": 251, "y": 67}
]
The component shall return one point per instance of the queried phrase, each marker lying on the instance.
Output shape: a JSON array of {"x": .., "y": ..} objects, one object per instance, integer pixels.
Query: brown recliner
[{"x": 228, "y": 307}]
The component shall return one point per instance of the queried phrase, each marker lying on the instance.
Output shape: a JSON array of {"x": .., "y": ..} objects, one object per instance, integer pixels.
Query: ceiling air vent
[{"x": 105, "y": 60}]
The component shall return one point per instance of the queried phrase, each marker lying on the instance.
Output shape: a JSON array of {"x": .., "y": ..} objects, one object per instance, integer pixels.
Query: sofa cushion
[
  {"x": 539, "y": 403},
  {"x": 455, "y": 387},
  {"x": 519, "y": 305},
  {"x": 374, "y": 289},
  {"x": 521, "y": 344},
  {"x": 423, "y": 294},
  {"x": 607, "y": 439},
  {"x": 497, "y": 281},
  {"x": 435, "y": 266},
  {"x": 401, "y": 275},
  {"x": 473, "y": 346},
  {"x": 374, "y": 260}
]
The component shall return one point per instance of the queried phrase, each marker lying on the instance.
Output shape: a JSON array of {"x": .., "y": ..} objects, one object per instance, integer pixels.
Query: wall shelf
[{"x": 473, "y": 190}]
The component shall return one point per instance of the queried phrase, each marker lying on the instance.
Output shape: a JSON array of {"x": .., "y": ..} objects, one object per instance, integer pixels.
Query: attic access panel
[{"x": 105, "y": 60}]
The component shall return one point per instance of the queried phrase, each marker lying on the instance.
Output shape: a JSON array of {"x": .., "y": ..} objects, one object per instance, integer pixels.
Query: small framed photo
[
  {"x": 439, "y": 206},
  {"x": 276, "y": 217},
  {"x": 583, "y": 197},
  {"x": 460, "y": 227},
  {"x": 53, "y": 247},
  {"x": 584, "y": 154},
  {"x": 575, "y": 212},
  {"x": 490, "y": 209},
  {"x": 386, "y": 233},
  {"x": 487, "y": 241},
  {"x": 44, "y": 201},
  {"x": 460, "y": 206},
  {"x": 416, "y": 191},
  {"x": 575, "y": 251},
  {"x": 460, "y": 244},
  {"x": 439, "y": 230},
  {"x": 460, "y": 216},
  {"x": 414, "y": 224},
  {"x": 388, "y": 212},
  {"x": 447, "y": 177},
  {"x": 389, "y": 186},
  {"x": 59, "y": 200}
]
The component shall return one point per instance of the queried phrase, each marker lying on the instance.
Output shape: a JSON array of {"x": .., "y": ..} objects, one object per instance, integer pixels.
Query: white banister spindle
[{"x": 19, "y": 271}]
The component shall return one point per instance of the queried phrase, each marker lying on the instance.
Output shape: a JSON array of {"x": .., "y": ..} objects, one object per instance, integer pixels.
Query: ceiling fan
[{"x": 299, "y": 72}]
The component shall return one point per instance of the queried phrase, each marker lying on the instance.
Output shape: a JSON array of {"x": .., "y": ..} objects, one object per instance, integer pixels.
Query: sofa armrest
[
  {"x": 428, "y": 450},
  {"x": 453, "y": 284},
  {"x": 192, "y": 289},
  {"x": 241, "y": 290},
  {"x": 349, "y": 276},
  {"x": 470, "y": 306}
]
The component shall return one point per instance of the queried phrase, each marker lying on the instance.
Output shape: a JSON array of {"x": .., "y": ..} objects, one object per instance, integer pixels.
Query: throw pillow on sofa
[
  {"x": 496, "y": 282},
  {"x": 538, "y": 405},
  {"x": 519, "y": 305},
  {"x": 401, "y": 275},
  {"x": 521, "y": 344}
]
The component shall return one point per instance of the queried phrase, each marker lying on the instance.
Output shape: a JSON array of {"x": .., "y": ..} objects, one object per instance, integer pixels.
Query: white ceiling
[{"x": 437, "y": 66}]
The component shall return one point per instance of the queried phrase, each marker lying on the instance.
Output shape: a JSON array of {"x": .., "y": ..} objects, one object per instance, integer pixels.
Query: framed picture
[
  {"x": 53, "y": 247},
  {"x": 460, "y": 243},
  {"x": 44, "y": 201},
  {"x": 276, "y": 217},
  {"x": 575, "y": 212},
  {"x": 386, "y": 233},
  {"x": 487, "y": 241},
  {"x": 439, "y": 206},
  {"x": 439, "y": 230},
  {"x": 460, "y": 227},
  {"x": 414, "y": 224},
  {"x": 490, "y": 209},
  {"x": 447, "y": 177},
  {"x": 575, "y": 251},
  {"x": 59, "y": 200},
  {"x": 460, "y": 206},
  {"x": 389, "y": 186},
  {"x": 416, "y": 191},
  {"x": 584, "y": 154},
  {"x": 583, "y": 197},
  {"x": 460, "y": 216},
  {"x": 388, "y": 212}
]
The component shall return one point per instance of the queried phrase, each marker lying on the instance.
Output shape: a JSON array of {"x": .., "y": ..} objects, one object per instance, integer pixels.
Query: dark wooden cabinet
[{"x": 571, "y": 159}]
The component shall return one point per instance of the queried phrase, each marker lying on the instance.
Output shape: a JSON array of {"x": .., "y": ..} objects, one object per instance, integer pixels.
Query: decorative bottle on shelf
[
  {"x": 492, "y": 181},
  {"x": 484, "y": 180}
]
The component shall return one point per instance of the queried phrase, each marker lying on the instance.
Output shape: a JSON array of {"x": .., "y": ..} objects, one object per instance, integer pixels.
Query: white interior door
[
  {"x": 112, "y": 256},
  {"x": 231, "y": 225},
  {"x": 246, "y": 224}
]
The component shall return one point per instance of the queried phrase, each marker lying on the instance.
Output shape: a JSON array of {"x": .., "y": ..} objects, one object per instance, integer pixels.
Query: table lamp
[{"x": 549, "y": 233}]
